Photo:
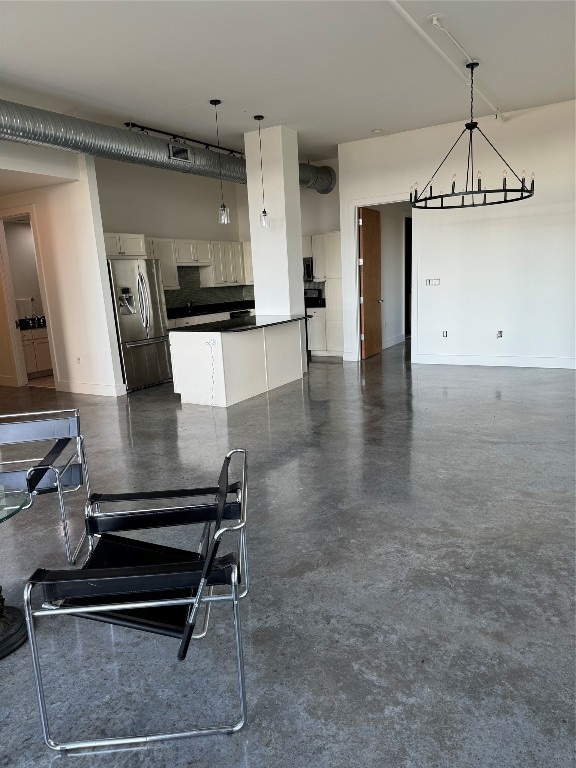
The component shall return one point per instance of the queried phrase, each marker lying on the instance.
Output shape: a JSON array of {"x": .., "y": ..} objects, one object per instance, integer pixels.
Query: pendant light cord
[
  {"x": 219, "y": 155},
  {"x": 261, "y": 166},
  {"x": 472, "y": 94}
]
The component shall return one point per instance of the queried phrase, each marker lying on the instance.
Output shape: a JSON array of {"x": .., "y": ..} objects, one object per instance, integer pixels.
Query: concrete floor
[{"x": 411, "y": 541}]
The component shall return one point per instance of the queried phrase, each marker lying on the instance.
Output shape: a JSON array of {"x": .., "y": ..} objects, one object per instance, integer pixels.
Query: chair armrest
[
  {"x": 177, "y": 493},
  {"x": 130, "y": 581},
  {"x": 139, "y": 519},
  {"x": 36, "y": 474}
]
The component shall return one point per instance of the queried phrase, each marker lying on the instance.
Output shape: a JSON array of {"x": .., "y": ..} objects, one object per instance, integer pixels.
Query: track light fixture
[
  {"x": 473, "y": 194},
  {"x": 223, "y": 210}
]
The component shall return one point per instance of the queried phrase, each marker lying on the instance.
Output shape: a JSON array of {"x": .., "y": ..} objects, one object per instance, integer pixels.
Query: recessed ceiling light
[{"x": 376, "y": 131}]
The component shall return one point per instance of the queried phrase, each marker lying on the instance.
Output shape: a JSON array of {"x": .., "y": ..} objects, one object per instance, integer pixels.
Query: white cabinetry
[
  {"x": 164, "y": 250},
  {"x": 247, "y": 259},
  {"x": 332, "y": 257},
  {"x": 178, "y": 253},
  {"x": 327, "y": 269},
  {"x": 122, "y": 244},
  {"x": 318, "y": 257},
  {"x": 316, "y": 329},
  {"x": 203, "y": 249},
  {"x": 227, "y": 266},
  {"x": 193, "y": 253},
  {"x": 29, "y": 356},
  {"x": 36, "y": 350},
  {"x": 325, "y": 252}
]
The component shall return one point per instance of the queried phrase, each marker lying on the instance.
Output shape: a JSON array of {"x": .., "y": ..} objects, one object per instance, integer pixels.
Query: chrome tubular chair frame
[
  {"x": 198, "y": 577},
  {"x": 42, "y": 475}
]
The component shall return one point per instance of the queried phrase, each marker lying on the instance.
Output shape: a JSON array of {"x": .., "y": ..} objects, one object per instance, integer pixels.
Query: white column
[{"x": 277, "y": 250}]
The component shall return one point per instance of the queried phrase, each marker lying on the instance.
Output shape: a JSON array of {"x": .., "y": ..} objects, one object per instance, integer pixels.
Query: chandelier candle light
[
  {"x": 471, "y": 197},
  {"x": 223, "y": 210},
  {"x": 264, "y": 218}
]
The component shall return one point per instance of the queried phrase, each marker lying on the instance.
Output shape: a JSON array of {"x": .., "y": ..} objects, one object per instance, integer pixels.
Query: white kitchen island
[{"x": 226, "y": 362}]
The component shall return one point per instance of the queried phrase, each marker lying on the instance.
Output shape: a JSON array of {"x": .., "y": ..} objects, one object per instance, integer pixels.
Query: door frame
[
  {"x": 9, "y": 297},
  {"x": 351, "y": 298}
]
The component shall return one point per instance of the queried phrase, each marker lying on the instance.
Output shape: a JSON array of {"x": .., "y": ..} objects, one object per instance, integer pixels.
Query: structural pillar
[{"x": 277, "y": 250}]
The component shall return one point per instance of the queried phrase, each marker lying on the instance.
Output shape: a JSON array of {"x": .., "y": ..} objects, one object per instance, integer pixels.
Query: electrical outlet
[
  {"x": 499, "y": 335},
  {"x": 445, "y": 334},
  {"x": 78, "y": 360}
]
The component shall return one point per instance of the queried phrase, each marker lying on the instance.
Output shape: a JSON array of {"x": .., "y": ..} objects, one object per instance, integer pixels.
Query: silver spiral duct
[{"x": 30, "y": 125}]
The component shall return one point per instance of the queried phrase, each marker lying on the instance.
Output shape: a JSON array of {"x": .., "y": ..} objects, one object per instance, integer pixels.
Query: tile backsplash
[{"x": 190, "y": 290}]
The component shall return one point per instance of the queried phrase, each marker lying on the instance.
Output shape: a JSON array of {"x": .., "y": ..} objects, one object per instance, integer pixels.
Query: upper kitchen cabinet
[
  {"x": 326, "y": 256},
  {"x": 165, "y": 251},
  {"x": 227, "y": 266},
  {"x": 332, "y": 257},
  {"x": 247, "y": 259},
  {"x": 121, "y": 244},
  {"x": 194, "y": 253},
  {"x": 318, "y": 258},
  {"x": 307, "y": 247}
]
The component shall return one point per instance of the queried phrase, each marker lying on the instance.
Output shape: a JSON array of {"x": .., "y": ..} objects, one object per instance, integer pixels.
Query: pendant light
[
  {"x": 223, "y": 210},
  {"x": 264, "y": 218},
  {"x": 473, "y": 194}
]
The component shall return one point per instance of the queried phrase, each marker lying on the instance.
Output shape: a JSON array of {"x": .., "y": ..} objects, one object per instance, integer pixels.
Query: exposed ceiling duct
[{"x": 30, "y": 125}]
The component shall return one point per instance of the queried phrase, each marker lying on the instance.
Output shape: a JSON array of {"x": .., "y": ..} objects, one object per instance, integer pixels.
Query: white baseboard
[
  {"x": 8, "y": 381},
  {"x": 391, "y": 341},
  {"x": 510, "y": 361},
  {"x": 84, "y": 388},
  {"x": 326, "y": 353}
]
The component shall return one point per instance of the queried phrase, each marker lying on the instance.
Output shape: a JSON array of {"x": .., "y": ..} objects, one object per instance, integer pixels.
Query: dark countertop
[
  {"x": 239, "y": 324},
  {"x": 31, "y": 323},
  {"x": 314, "y": 302},
  {"x": 195, "y": 310}
]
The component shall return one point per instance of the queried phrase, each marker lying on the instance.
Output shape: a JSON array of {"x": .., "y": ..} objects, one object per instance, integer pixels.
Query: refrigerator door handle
[
  {"x": 141, "y": 300},
  {"x": 146, "y": 303}
]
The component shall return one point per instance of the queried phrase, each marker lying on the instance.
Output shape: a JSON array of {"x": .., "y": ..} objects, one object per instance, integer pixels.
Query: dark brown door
[{"x": 370, "y": 282}]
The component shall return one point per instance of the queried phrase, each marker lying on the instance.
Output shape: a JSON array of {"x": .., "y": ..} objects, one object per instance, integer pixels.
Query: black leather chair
[
  {"x": 62, "y": 470},
  {"x": 152, "y": 587}
]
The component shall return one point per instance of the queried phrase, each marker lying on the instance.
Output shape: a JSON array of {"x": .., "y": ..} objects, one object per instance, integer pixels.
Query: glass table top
[{"x": 11, "y": 502}]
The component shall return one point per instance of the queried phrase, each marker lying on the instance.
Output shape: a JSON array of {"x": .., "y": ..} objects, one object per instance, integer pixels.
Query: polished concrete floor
[{"x": 411, "y": 540}]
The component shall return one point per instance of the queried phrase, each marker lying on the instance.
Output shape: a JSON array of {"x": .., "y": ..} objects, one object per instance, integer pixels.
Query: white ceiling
[{"x": 332, "y": 70}]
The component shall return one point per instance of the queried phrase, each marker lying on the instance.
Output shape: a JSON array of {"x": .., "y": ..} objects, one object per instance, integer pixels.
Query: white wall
[
  {"x": 66, "y": 222},
  {"x": 321, "y": 213},
  {"x": 392, "y": 292},
  {"x": 136, "y": 198},
  {"x": 508, "y": 268},
  {"x": 22, "y": 256},
  {"x": 160, "y": 203}
]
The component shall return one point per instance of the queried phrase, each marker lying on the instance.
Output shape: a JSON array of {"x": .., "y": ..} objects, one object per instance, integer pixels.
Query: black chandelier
[{"x": 471, "y": 197}]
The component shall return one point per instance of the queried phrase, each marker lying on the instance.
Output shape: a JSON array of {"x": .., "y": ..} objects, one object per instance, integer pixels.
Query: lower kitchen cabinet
[
  {"x": 316, "y": 329},
  {"x": 42, "y": 352},
  {"x": 29, "y": 356},
  {"x": 36, "y": 350},
  {"x": 334, "y": 331}
]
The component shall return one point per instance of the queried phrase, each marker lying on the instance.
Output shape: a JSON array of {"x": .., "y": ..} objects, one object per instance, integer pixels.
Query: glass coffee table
[{"x": 12, "y": 623}]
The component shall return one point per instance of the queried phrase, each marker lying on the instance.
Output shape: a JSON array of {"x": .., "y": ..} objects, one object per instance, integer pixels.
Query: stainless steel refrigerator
[{"x": 140, "y": 311}]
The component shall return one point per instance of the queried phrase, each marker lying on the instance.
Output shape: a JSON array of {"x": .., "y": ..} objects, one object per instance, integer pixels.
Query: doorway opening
[
  {"x": 31, "y": 347},
  {"x": 385, "y": 276}
]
